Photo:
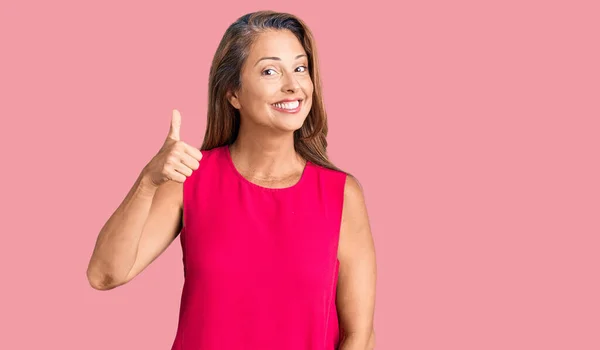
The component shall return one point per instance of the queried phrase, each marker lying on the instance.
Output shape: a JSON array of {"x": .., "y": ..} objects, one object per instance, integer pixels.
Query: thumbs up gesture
[{"x": 176, "y": 160}]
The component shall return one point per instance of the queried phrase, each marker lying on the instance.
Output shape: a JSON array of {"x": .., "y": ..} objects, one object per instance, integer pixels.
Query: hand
[{"x": 175, "y": 161}]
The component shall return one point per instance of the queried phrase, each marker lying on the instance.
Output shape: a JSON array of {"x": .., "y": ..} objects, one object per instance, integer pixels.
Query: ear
[{"x": 232, "y": 98}]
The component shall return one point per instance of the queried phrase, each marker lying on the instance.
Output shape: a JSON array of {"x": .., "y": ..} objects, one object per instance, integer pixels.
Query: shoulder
[
  {"x": 353, "y": 190},
  {"x": 343, "y": 183},
  {"x": 211, "y": 156},
  {"x": 336, "y": 175},
  {"x": 207, "y": 162},
  {"x": 211, "y": 152},
  {"x": 354, "y": 208},
  {"x": 355, "y": 231}
]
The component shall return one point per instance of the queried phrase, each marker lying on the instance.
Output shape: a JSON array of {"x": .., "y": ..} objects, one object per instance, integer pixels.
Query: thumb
[{"x": 175, "y": 125}]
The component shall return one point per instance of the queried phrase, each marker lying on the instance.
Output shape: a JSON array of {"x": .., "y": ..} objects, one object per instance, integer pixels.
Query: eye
[
  {"x": 305, "y": 68},
  {"x": 266, "y": 70}
]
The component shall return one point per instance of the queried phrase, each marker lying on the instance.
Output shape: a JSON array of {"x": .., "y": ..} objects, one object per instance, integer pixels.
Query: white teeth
[{"x": 287, "y": 105}]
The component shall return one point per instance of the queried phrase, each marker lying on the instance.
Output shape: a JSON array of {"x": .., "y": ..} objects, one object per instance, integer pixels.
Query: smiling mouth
[{"x": 288, "y": 107}]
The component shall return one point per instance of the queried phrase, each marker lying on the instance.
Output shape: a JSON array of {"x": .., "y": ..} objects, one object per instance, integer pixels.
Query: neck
[{"x": 266, "y": 157}]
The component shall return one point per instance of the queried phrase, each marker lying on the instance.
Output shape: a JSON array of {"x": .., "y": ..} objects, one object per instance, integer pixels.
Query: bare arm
[
  {"x": 141, "y": 228},
  {"x": 357, "y": 276},
  {"x": 150, "y": 216}
]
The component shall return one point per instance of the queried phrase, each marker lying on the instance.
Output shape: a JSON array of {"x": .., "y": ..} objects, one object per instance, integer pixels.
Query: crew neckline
[{"x": 227, "y": 152}]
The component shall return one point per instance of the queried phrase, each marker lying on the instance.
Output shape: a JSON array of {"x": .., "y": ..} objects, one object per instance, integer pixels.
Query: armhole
[
  {"x": 187, "y": 187},
  {"x": 341, "y": 193},
  {"x": 184, "y": 187}
]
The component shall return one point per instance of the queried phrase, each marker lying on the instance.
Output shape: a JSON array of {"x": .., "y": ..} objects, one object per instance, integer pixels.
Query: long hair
[{"x": 223, "y": 120}]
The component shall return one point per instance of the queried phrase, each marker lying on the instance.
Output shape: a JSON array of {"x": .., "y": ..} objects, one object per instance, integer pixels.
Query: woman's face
[{"x": 276, "y": 70}]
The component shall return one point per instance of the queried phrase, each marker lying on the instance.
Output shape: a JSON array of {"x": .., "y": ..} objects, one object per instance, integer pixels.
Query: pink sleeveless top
[{"x": 260, "y": 264}]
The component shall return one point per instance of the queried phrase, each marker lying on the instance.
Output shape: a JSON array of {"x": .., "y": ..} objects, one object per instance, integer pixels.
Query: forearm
[
  {"x": 117, "y": 243},
  {"x": 358, "y": 341}
]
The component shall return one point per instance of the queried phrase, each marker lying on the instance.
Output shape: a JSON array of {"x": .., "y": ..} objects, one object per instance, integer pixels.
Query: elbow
[
  {"x": 101, "y": 280},
  {"x": 371, "y": 344},
  {"x": 358, "y": 340}
]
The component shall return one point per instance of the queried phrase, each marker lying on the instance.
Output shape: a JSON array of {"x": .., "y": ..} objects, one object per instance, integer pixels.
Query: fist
[{"x": 176, "y": 160}]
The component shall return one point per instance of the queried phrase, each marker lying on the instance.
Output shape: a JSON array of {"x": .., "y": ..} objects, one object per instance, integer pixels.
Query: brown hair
[{"x": 223, "y": 120}]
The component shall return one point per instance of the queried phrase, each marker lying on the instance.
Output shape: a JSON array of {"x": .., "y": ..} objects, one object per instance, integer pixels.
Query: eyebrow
[{"x": 275, "y": 58}]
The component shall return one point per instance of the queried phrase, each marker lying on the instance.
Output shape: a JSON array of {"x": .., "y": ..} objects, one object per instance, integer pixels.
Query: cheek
[
  {"x": 308, "y": 87},
  {"x": 308, "y": 104},
  {"x": 252, "y": 102}
]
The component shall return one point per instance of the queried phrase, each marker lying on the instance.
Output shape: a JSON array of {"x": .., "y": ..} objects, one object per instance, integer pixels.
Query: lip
[
  {"x": 289, "y": 100},
  {"x": 290, "y": 111}
]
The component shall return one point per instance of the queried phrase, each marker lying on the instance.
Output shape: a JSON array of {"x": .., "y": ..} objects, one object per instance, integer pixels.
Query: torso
[{"x": 260, "y": 263}]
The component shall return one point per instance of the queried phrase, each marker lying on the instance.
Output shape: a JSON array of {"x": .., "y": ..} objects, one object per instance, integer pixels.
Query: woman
[{"x": 277, "y": 249}]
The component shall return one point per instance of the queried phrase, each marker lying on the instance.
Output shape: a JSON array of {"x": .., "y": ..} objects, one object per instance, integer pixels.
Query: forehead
[{"x": 278, "y": 43}]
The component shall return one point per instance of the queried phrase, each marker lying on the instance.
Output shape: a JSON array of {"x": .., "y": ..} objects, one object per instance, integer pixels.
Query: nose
[{"x": 289, "y": 83}]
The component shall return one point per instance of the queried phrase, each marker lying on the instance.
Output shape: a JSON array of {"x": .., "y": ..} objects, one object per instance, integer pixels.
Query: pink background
[{"x": 473, "y": 127}]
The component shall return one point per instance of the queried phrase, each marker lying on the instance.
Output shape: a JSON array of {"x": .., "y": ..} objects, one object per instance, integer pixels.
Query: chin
[
  {"x": 289, "y": 127},
  {"x": 293, "y": 123},
  {"x": 288, "y": 122}
]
